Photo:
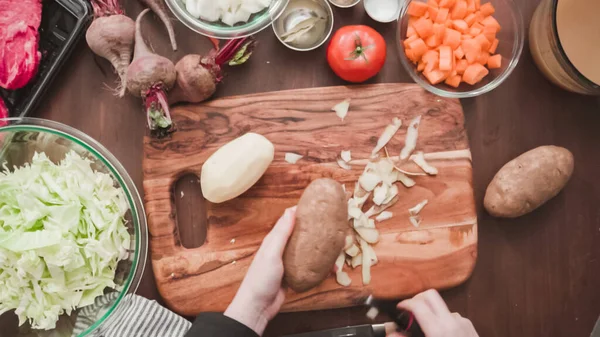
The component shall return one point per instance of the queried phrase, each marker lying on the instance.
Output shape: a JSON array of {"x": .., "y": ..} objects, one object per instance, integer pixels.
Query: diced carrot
[
  {"x": 471, "y": 6},
  {"x": 470, "y": 19},
  {"x": 461, "y": 66},
  {"x": 424, "y": 27},
  {"x": 409, "y": 40},
  {"x": 487, "y": 9},
  {"x": 477, "y": 25},
  {"x": 431, "y": 56},
  {"x": 410, "y": 55},
  {"x": 446, "y": 58},
  {"x": 490, "y": 33},
  {"x": 426, "y": 16},
  {"x": 442, "y": 15},
  {"x": 459, "y": 53},
  {"x": 433, "y": 3},
  {"x": 460, "y": 25},
  {"x": 410, "y": 31},
  {"x": 439, "y": 30},
  {"x": 435, "y": 76},
  {"x": 416, "y": 8},
  {"x": 452, "y": 38},
  {"x": 453, "y": 81},
  {"x": 466, "y": 37},
  {"x": 477, "y": 4},
  {"x": 447, "y": 3},
  {"x": 432, "y": 41},
  {"x": 459, "y": 11},
  {"x": 418, "y": 47},
  {"x": 494, "y": 46},
  {"x": 483, "y": 41},
  {"x": 472, "y": 49},
  {"x": 429, "y": 67},
  {"x": 483, "y": 58},
  {"x": 479, "y": 17},
  {"x": 412, "y": 20},
  {"x": 475, "y": 73},
  {"x": 433, "y": 12},
  {"x": 421, "y": 66},
  {"x": 453, "y": 72},
  {"x": 474, "y": 31},
  {"x": 449, "y": 23},
  {"x": 490, "y": 21},
  {"x": 495, "y": 62}
]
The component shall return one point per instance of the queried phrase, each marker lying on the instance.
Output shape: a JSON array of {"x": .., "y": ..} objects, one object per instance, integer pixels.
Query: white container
[{"x": 383, "y": 10}]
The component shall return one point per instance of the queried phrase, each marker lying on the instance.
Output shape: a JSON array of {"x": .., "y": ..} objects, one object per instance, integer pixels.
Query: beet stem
[
  {"x": 232, "y": 48},
  {"x": 158, "y": 114},
  {"x": 106, "y": 7}
]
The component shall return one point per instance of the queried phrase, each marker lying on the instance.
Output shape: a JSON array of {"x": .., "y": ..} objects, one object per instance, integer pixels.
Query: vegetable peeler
[{"x": 404, "y": 322}]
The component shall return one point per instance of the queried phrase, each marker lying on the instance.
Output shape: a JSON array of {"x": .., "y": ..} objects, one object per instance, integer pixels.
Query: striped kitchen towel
[{"x": 135, "y": 317}]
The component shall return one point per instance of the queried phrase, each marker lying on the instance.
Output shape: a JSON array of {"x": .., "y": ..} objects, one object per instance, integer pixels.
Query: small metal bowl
[
  {"x": 369, "y": 4},
  {"x": 350, "y": 4},
  {"x": 296, "y": 12}
]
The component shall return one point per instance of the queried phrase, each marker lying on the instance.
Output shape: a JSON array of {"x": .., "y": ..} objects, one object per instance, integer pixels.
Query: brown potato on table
[
  {"x": 319, "y": 235},
  {"x": 528, "y": 181}
]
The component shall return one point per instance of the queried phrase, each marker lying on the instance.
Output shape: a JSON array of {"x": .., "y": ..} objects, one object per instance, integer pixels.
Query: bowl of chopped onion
[
  {"x": 73, "y": 235},
  {"x": 227, "y": 19}
]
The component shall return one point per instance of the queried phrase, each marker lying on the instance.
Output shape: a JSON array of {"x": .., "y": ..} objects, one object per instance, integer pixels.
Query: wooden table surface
[{"x": 536, "y": 276}]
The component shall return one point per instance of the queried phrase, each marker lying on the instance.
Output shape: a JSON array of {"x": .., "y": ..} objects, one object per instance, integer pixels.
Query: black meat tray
[{"x": 64, "y": 22}]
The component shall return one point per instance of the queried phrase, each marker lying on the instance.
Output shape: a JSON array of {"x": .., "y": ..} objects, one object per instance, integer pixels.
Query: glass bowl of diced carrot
[{"x": 460, "y": 48}]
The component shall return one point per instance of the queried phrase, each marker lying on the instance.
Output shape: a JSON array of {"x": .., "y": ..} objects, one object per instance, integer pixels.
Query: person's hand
[
  {"x": 435, "y": 319},
  {"x": 261, "y": 294}
]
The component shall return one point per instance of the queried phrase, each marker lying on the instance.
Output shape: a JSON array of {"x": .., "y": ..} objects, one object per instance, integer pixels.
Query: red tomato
[{"x": 356, "y": 53}]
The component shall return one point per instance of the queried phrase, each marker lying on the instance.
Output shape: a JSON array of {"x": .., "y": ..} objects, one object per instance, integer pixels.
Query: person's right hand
[{"x": 435, "y": 319}]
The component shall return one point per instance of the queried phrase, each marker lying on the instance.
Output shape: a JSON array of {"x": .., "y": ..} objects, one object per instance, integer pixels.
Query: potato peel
[
  {"x": 419, "y": 159},
  {"x": 411, "y": 138},
  {"x": 414, "y": 211},
  {"x": 346, "y": 156},
  {"x": 343, "y": 279},
  {"x": 384, "y": 216},
  {"x": 387, "y": 135},
  {"x": 341, "y": 109},
  {"x": 292, "y": 158}
]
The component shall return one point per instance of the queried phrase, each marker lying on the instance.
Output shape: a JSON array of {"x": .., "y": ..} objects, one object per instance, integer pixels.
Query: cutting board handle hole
[{"x": 190, "y": 207}]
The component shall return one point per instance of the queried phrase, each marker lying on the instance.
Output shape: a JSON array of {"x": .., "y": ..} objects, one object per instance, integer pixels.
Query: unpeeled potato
[
  {"x": 528, "y": 181},
  {"x": 319, "y": 235}
]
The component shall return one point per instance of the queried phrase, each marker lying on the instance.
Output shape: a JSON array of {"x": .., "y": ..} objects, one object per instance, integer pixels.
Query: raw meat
[
  {"x": 19, "y": 55},
  {"x": 3, "y": 112}
]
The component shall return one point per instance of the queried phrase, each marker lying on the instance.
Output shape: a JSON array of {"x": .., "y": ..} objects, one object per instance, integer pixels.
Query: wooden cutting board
[{"x": 441, "y": 253}]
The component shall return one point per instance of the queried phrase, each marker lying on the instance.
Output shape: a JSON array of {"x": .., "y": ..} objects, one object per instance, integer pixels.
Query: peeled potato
[
  {"x": 528, "y": 181},
  {"x": 235, "y": 167}
]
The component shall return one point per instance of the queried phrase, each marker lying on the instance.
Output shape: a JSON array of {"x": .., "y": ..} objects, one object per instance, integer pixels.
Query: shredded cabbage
[{"x": 62, "y": 234}]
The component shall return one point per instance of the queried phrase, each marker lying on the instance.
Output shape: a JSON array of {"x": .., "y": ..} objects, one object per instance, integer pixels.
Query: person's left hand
[{"x": 261, "y": 294}]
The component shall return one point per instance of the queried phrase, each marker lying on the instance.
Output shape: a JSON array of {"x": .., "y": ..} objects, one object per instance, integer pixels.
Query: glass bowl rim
[
  {"x": 261, "y": 22},
  {"x": 517, "y": 51},
  {"x": 120, "y": 174}
]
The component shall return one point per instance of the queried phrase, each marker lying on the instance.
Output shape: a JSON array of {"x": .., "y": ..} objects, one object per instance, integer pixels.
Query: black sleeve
[{"x": 212, "y": 324}]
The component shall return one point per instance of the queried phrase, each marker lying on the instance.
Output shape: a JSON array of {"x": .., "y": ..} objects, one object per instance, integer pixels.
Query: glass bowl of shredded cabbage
[
  {"x": 73, "y": 235},
  {"x": 227, "y": 19}
]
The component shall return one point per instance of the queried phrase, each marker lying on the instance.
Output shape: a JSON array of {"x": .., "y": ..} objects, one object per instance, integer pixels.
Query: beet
[
  {"x": 198, "y": 76},
  {"x": 150, "y": 76}
]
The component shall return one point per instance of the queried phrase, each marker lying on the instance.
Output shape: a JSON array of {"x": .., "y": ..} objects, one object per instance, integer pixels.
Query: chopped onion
[
  {"x": 415, "y": 221},
  {"x": 418, "y": 208},
  {"x": 387, "y": 135},
  {"x": 292, "y": 158},
  {"x": 419, "y": 159},
  {"x": 341, "y": 109},
  {"x": 369, "y": 180},
  {"x": 343, "y": 164},
  {"x": 343, "y": 279},
  {"x": 411, "y": 138},
  {"x": 346, "y": 156},
  {"x": 384, "y": 216},
  {"x": 370, "y": 235}
]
